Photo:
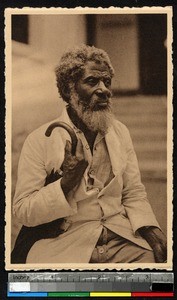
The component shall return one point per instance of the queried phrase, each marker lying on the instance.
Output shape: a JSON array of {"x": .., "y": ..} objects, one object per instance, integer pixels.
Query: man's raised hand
[{"x": 74, "y": 167}]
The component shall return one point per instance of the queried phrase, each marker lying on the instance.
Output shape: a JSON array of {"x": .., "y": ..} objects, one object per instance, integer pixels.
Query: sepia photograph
[{"x": 89, "y": 138}]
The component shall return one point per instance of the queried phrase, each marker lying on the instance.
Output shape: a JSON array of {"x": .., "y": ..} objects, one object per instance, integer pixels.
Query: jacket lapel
[
  {"x": 114, "y": 144},
  {"x": 116, "y": 151}
]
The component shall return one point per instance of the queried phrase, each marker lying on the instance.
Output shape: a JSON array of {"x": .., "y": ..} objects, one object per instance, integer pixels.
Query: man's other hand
[
  {"x": 73, "y": 167},
  {"x": 157, "y": 240}
]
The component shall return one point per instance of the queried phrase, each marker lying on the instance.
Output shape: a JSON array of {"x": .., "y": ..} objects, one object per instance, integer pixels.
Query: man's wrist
[
  {"x": 64, "y": 187},
  {"x": 148, "y": 232},
  {"x": 144, "y": 229},
  {"x": 152, "y": 235}
]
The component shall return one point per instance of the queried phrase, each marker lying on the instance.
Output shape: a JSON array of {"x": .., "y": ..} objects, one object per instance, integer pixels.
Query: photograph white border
[{"x": 8, "y": 165}]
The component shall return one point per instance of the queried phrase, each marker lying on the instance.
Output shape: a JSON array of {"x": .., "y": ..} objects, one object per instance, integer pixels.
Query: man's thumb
[{"x": 68, "y": 147}]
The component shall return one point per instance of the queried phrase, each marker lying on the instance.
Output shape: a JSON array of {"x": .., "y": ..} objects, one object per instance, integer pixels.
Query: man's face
[
  {"x": 94, "y": 88},
  {"x": 90, "y": 97}
]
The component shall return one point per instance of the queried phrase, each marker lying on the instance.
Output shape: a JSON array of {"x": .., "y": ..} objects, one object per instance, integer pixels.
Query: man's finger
[
  {"x": 83, "y": 163},
  {"x": 81, "y": 167},
  {"x": 68, "y": 147},
  {"x": 79, "y": 150}
]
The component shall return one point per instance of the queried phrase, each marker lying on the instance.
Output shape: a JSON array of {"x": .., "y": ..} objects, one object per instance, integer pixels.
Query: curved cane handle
[{"x": 68, "y": 129}]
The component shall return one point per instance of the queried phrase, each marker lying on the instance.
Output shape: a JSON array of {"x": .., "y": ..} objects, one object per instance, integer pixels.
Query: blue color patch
[{"x": 28, "y": 294}]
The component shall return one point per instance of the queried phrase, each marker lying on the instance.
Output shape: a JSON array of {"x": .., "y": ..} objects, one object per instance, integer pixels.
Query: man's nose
[{"x": 102, "y": 90}]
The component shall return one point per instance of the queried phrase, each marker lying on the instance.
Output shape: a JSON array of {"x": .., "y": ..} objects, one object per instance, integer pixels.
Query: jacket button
[
  {"x": 101, "y": 250},
  {"x": 103, "y": 220},
  {"x": 92, "y": 172}
]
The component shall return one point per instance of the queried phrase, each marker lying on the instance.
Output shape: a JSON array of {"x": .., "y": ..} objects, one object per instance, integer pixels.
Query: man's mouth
[{"x": 101, "y": 104}]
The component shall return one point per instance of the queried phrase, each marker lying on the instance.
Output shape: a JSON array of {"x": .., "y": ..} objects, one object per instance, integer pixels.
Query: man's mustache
[
  {"x": 101, "y": 103},
  {"x": 97, "y": 103}
]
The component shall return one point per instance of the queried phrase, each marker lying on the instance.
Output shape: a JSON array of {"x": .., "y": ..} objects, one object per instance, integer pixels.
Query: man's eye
[
  {"x": 92, "y": 81},
  {"x": 107, "y": 82}
]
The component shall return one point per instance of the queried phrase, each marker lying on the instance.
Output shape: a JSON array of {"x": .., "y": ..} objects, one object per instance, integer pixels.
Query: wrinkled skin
[
  {"x": 157, "y": 240},
  {"x": 73, "y": 168},
  {"x": 94, "y": 88}
]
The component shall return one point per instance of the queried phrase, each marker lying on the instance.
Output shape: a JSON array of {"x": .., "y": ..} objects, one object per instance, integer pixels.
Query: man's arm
[
  {"x": 138, "y": 208},
  {"x": 34, "y": 203}
]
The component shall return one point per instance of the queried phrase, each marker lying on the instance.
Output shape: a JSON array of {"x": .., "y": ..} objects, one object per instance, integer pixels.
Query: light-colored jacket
[{"x": 124, "y": 198}]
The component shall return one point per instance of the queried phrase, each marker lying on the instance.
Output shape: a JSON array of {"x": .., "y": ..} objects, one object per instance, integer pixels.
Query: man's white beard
[{"x": 99, "y": 120}]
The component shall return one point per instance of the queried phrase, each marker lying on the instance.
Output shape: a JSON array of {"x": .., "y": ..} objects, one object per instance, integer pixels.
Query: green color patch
[{"x": 69, "y": 294}]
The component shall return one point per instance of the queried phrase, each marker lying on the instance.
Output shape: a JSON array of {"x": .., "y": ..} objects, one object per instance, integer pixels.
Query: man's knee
[{"x": 147, "y": 256}]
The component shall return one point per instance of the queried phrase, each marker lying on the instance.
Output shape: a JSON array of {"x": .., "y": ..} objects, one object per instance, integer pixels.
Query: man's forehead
[{"x": 93, "y": 68}]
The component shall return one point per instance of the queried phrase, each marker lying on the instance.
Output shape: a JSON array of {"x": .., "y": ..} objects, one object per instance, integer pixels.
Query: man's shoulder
[
  {"x": 120, "y": 128},
  {"x": 39, "y": 133}
]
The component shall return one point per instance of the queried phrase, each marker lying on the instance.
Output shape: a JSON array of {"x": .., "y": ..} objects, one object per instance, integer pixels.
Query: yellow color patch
[{"x": 110, "y": 294}]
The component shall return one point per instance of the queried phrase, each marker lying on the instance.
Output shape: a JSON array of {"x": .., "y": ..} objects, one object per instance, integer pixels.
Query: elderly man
[{"x": 102, "y": 206}]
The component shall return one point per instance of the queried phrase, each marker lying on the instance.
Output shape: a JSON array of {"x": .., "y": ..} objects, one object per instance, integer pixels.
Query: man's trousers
[{"x": 112, "y": 248}]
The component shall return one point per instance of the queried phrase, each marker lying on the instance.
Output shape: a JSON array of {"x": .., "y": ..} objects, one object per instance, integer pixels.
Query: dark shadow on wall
[
  {"x": 20, "y": 28},
  {"x": 152, "y": 54},
  {"x": 152, "y": 51}
]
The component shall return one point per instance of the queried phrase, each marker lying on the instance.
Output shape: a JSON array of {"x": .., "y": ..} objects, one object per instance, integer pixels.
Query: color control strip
[{"x": 90, "y": 294}]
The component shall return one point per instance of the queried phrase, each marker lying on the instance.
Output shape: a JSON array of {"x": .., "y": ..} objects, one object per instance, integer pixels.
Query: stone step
[
  {"x": 148, "y": 145},
  {"x": 139, "y": 104},
  {"x": 152, "y": 155},
  {"x": 158, "y": 134},
  {"x": 156, "y": 169},
  {"x": 139, "y": 110},
  {"x": 143, "y": 121},
  {"x": 146, "y": 119}
]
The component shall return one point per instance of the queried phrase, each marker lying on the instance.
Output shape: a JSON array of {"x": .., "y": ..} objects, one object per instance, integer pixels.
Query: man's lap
[{"x": 112, "y": 248}]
